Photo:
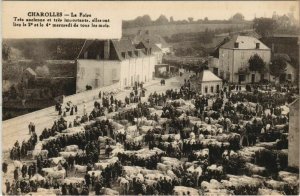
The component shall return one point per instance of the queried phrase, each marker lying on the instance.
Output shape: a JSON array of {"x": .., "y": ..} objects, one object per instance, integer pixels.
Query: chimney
[
  {"x": 106, "y": 49},
  {"x": 257, "y": 45},
  {"x": 236, "y": 45}
]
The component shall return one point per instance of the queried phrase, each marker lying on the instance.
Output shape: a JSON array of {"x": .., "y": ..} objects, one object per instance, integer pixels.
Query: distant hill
[{"x": 170, "y": 29}]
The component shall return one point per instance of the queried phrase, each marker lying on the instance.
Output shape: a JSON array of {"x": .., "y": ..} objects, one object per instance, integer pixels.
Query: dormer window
[
  {"x": 257, "y": 45},
  {"x": 123, "y": 54},
  {"x": 136, "y": 53},
  {"x": 236, "y": 45}
]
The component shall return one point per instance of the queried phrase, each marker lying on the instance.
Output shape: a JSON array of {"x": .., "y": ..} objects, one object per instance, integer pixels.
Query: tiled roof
[
  {"x": 245, "y": 42},
  {"x": 208, "y": 76},
  {"x": 123, "y": 48},
  {"x": 151, "y": 45},
  {"x": 154, "y": 38},
  {"x": 31, "y": 71}
]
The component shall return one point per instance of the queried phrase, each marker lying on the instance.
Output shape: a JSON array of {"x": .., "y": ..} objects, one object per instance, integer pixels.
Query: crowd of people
[{"x": 203, "y": 135}]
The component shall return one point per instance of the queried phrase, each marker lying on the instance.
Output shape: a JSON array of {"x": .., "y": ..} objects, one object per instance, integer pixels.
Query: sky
[{"x": 199, "y": 9}]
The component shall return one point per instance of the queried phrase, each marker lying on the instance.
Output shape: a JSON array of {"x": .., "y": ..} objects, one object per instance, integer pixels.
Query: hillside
[{"x": 170, "y": 29}]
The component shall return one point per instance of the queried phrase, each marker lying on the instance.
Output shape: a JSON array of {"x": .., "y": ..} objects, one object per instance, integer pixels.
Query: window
[
  {"x": 242, "y": 55},
  {"x": 236, "y": 45},
  {"x": 211, "y": 89},
  {"x": 130, "y": 53},
  {"x": 289, "y": 76},
  {"x": 257, "y": 45},
  {"x": 123, "y": 54},
  {"x": 206, "y": 89},
  {"x": 218, "y": 88}
]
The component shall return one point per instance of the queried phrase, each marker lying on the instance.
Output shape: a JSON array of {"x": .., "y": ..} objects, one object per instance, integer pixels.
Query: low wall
[{"x": 79, "y": 98}]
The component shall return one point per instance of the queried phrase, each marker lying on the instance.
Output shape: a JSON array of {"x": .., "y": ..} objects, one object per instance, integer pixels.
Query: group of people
[{"x": 226, "y": 112}]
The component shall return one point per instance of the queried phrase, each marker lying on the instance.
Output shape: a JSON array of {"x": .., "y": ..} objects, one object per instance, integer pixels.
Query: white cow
[
  {"x": 56, "y": 160},
  {"x": 54, "y": 172},
  {"x": 67, "y": 154},
  {"x": 97, "y": 173},
  {"x": 124, "y": 184},
  {"x": 37, "y": 178},
  {"x": 71, "y": 148},
  {"x": 74, "y": 180},
  {"x": 80, "y": 168},
  {"x": 163, "y": 167}
]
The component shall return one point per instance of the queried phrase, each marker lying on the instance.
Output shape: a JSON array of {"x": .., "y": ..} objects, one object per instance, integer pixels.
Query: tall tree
[
  {"x": 278, "y": 66},
  {"x": 191, "y": 19},
  {"x": 238, "y": 17},
  {"x": 265, "y": 26},
  {"x": 256, "y": 63},
  {"x": 162, "y": 19}
]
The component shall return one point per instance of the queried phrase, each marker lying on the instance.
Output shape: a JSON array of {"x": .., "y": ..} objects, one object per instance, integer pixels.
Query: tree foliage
[
  {"x": 265, "y": 26},
  {"x": 278, "y": 66},
  {"x": 238, "y": 17},
  {"x": 256, "y": 63},
  {"x": 161, "y": 20},
  {"x": 6, "y": 51}
]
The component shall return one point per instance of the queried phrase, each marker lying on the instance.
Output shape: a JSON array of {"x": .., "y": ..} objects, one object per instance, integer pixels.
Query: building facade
[
  {"x": 233, "y": 62},
  {"x": 293, "y": 152},
  {"x": 105, "y": 62},
  {"x": 207, "y": 83}
]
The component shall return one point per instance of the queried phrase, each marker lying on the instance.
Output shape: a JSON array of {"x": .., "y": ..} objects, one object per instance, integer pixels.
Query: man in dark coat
[{"x": 87, "y": 178}]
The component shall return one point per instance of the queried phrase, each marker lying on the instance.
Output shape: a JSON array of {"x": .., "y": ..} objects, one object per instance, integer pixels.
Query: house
[
  {"x": 149, "y": 46},
  {"x": 105, "y": 62},
  {"x": 207, "y": 83},
  {"x": 287, "y": 44},
  {"x": 293, "y": 137},
  {"x": 147, "y": 36},
  {"x": 291, "y": 73},
  {"x": 28, "y": 76},
  {"x": 233, "y": 60}
]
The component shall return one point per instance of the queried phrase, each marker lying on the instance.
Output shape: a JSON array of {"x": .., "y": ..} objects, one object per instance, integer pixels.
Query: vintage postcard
[{"x": 150, "y": 98}]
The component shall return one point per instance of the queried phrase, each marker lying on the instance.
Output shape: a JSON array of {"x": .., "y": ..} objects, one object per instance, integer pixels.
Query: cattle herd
[{"x": 172, "y": 143}]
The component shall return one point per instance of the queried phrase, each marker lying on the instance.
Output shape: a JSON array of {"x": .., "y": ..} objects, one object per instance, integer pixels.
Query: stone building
[
  {"x": 233, "y": 61},
  {"x": 207, "y": 83},
  {"x": 105, "y": 62}
]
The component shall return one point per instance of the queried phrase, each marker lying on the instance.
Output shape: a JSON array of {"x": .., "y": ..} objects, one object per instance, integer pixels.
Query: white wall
[
  {"x": 96, "y": 73},
  {"x": 231, "y": 60},
  {"x": 137, "y": 70},
  {"x": 209, "y": 85},
  {"x": 108, "y": 72}
]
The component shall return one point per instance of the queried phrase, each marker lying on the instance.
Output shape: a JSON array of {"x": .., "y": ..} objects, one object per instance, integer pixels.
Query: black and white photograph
[{"x": 150, "y": 98}]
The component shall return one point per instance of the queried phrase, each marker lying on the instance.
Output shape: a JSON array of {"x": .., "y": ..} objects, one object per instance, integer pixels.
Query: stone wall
[{"x": 293, "y": 156}]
